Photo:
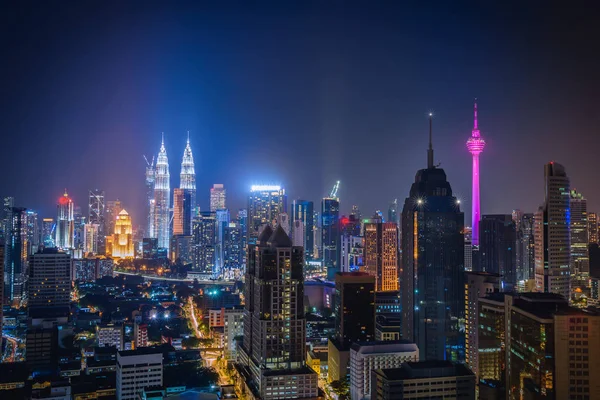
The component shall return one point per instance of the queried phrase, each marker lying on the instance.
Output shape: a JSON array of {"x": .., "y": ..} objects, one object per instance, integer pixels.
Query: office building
[
  {"x": 265, "y": 202},
  {"x": 352, "y": 251},
  {"x": 298, "y": 236},
  {"x": 187, "y": 182},
  {"x": 497, "y": 247},
  {"x": 387, "y": 327},
  {"x": 525, "y": 245},
  {"x": 217, "y": 197},
  {"x": 530, "y": 356},
  {"x": 162, "y": 198},
  {"x": 366, "y": 357},
  {"x": 491, "y": 345},
  {"x": 204, "y": 232},
  {"x": 91, "y": 238},
  {"x": 468, "y": 249},
  {"x": 381, "y": 255},
  {"x": 552, "y": 236},
  {"x": 303, "y": 215},
  {"x": 580, "y": 260},
  {"x": 233, "y": 327},
  {"x": 1, "y": 281},
  {"x": 423, "y": 380},
  {"x": 272, "y": 357},
  {"x": 41, "y": 347},
  {"x": 233, "y": 249},
  {"x": 15, "y": 254},
  {"x": 223, "y": 219},
  {"x": 48, "y": 227},
  {"x": 140, "y": 334},
  {"x": 393, "y": 215},
  {"x": 65, "y": 224},
  {"x": 593, "y": 227},
  {"x": 110, "y": 335},
  {"x": 577, "y": 348},
  {"x": 138, "y": 369},
  {"x": 330, "y": 233},
  {"x": 32, "y": 231},
  {"x": 477, "y": 285},
  {"x": 182, "y": 249},
  {"x": 283, "y": 220},
  {"x": 242, "y": 219},
  {"x": 49, "y": 280},
  {"x": 149, "y": 248},
  {"x": 96, "y": 208},
  {"x": 182, "y": 212},
  {"x": 122, "y": 238},
  {"x": 354, "y": 309},
  {"x": 433, "y": 265}
]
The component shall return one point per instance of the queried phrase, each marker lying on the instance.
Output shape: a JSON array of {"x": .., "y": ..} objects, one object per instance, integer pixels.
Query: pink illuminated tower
[{"x": 475, "y": 144}]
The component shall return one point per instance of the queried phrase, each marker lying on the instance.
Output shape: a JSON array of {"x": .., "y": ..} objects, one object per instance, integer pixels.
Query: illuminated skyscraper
[
  {"x": 497, "y": 255},
  {"x": 182, "y": 212},
  {"x": 150, "y": 178},
  {"x": 204, "y": 242},
  {"x": 162, "y": 198},
  {"x": 96, "y": 208},
  {"x": 303, "y": 212},
  {"x": 433, "y": 265},
  {"x": 330, "y": 228},
  {"x": 393, "y": 212},
  {"x": 91, "y": 238},
  {"x": 552, "y": 235},
  {"x": 122, "y": 239},
  {"x": 265, "y": 202},
  {"x": 65, "y": 224},
  {"x": 475, "y": 144},
  {"x": 187, "y": 182},
  {"x": 580, "y": 260},
  {"x": 15, "y": 254},
  {"x": 48, "y": 228},
  {"x": 593, "y": 227},
  {"x": 217, "y": 197},
  {"x": 381, "y": 255}
]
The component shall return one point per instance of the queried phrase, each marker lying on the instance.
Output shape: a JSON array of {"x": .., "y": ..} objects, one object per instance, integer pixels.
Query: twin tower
[{"x": 159, "y": 196}]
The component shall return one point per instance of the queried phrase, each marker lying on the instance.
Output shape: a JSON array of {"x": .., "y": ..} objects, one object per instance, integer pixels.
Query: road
[
  {"x": 11, "y": 349},
  {"x": 194, "y": 321}
]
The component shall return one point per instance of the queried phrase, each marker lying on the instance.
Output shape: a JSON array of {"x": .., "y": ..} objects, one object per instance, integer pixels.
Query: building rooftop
[
  {"x": 388, "y": 346},
  {"x": 542, "y": 305},
  {"x": 140, "y": 351},
  {"x": 304, "y": 370},
  {"x": 426, "y": 369}
]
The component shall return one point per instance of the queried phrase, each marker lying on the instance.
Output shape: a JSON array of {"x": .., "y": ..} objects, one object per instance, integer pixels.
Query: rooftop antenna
[{"x": 430, "y": 150}]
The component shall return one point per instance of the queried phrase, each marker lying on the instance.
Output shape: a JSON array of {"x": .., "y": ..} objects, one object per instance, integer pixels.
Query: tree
[{"x": 341, "y": 388}]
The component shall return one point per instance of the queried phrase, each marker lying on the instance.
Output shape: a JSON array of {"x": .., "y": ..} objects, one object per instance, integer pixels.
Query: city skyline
[{"x": 343, "y": 104}]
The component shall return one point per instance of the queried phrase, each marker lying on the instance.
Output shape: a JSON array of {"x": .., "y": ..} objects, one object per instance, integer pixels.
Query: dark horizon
[{"x": 297, "y": 94}]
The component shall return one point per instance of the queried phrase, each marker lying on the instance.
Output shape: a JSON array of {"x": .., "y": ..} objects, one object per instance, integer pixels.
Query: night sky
[{"x": 297, "y": 93}]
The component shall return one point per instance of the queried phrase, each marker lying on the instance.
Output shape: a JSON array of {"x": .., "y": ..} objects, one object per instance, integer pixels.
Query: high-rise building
[
  {"x": 577, "y": 348},
  {"x": 468, "y": 248},
  {"x": 187, "y": 180},
  {"x": 580, "y": 259},
  {"x": 265, "y": 202},
  {"x": 530, "y": 356},
  {"x": 593, "y": 227},
  {"x": 96, "y": 208},
  {"x": 110, "y": 335},
  {"x": 162, "y": 198},
  {"x": 303, "y": 212},
  {"x": 425, "y": 380},
  {"x": 491, "y": 334},
  {"x": 272, "y": 356},
  {"x": 223, "y": 219},
  {"x": 182, "y": 212},
  {"x": 232, "y": 245},
  {"x": 475, "y": 145},
  {"x": 497, "y": 245},
  {"x": 242, "y": 218},
  {"x": 49, "y": 281},
  {"x": 32, "y": 231},
  {"x": 15, "y": 254},
  {"x": 352, "y": 253},
  {"x": 433, "y": 265},
  {"x": 112, "y": 210},
  {"x": 140, "y": 334},
  {"x": 552, "y": 236},
  {"x": 138, "y": 369},
  {"x": 393, "y": 212},
  {"x": 204, "y": 232},
  {"x": 48, "y": 228},
  {"x": 477, "y": 285},
  {"x": 91, "y": 238},
  {"x": 122, "y": 238},
  {"x": 381, "y": 255},
  {"x": 78, "y": 228},
  {"x": 65, "y": 225},
  {"x": 1, "y": 278},
  {"x": 354, "y": 309},
  {"x": 366, "y": 357},
  {"x": 150, "y": 179},
  {"x": 330, "y": 228},
  {"x": 217, "y": 197}
]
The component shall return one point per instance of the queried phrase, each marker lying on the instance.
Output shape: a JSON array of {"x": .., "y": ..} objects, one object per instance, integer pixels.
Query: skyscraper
[
  {"x": 49, "y": 282},
  {"x": 524, "y": 223},
  {"x": 272, "y": 356},
  {"x": 187, "y": 180},
  {"x": 552, "y": 236},
  {"x": 122, "y": 238},
  {"x": 162, "y": 198},
  {"x": 303, "y": 211},
  {"x": 475, "y": 145},
  {"x": 497, "y": 245},
  {"x": 182, "y": 212},
  {"x": 204, "y": 232},
  {"x": 330, "y": 228},
  {"x": 15, "y": 254},
  {"x": 265, "y": 202},
  {"x": 96, "y": 208},
  {"x": 393, "y": 212},
  {"x": 580, "y": 260},
  {"x": 48, "y": 228},
  {"x": 217, "y": 197},
  {"x": 593, "y": 227},
  {"x": 65, "y": 225},
  {"x": 150, "y": 179},
  {"x": 381, "y": 254},
  {"x": 433, "y": 265},
  {"x": 91, "y": 238}
]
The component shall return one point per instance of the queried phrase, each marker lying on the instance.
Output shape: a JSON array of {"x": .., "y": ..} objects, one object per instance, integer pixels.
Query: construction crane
[{"x": 334, "y": 191}]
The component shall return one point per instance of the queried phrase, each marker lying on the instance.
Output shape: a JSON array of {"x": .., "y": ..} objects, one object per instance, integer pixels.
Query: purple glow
[{"x": 475, "y": 145}]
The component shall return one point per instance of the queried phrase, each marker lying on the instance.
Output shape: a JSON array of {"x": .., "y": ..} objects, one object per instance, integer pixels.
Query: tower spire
[
  {"x": 475, "y": 118},
  {"x": 188, "y": 137},
  {"x": 430, "y": 149}
]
